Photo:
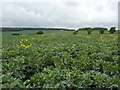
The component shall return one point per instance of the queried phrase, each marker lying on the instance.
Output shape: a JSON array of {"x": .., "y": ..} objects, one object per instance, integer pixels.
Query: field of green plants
[{"x": 59, "y": 59}]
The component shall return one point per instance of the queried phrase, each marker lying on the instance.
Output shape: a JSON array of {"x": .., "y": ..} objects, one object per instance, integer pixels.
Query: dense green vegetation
[{"x": 59, "y": 59}]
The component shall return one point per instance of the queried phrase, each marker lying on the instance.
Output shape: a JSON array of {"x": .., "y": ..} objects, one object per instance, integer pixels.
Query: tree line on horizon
[
  {"x": 89, "y": 30},
  {"x": 22, "y": 29}
]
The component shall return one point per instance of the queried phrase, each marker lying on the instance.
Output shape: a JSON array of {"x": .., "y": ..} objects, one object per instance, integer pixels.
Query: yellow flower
[
  {"x": 22, "y": 45},
  {"x": 88, "y": 37},
  {"x": 26, "y": 40},
  {"x": 20, "y": 41},
  {"x": 27, "y": 46}
]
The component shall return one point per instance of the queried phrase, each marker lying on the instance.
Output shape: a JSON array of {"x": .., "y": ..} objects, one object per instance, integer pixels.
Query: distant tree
[
  {"x": 75, "y": 32},
  {"x": 40, "y": 32},
  {"x": 112, "y": 30},
  {"x": 84, "y": 28},
  {"x": 102, "y": 30},
  {"x": 89, "y": 30},
  {"x": 16, "y": 34}
]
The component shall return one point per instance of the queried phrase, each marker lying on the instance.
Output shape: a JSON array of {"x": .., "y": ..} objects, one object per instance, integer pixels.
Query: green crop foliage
[{"x": 59, "y": 59}]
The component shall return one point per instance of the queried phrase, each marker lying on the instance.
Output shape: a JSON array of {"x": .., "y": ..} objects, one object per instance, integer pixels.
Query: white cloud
[{"x": 80, "y": 13}]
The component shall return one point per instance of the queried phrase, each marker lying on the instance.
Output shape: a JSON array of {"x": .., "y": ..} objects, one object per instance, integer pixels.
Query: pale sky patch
[{"x": 60, "y": 13}]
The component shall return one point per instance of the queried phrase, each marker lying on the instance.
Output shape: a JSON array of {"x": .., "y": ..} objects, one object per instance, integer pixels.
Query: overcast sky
[{"x": 60, "y": 13}]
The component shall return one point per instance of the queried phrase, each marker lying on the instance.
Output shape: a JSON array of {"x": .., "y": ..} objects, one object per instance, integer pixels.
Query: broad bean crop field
[{"x": 59, "y": 59}]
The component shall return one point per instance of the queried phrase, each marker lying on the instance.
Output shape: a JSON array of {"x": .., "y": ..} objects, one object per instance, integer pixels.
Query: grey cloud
[
  {"x": 74, "y": 4},
  {"x": 60, "y": 14}
]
